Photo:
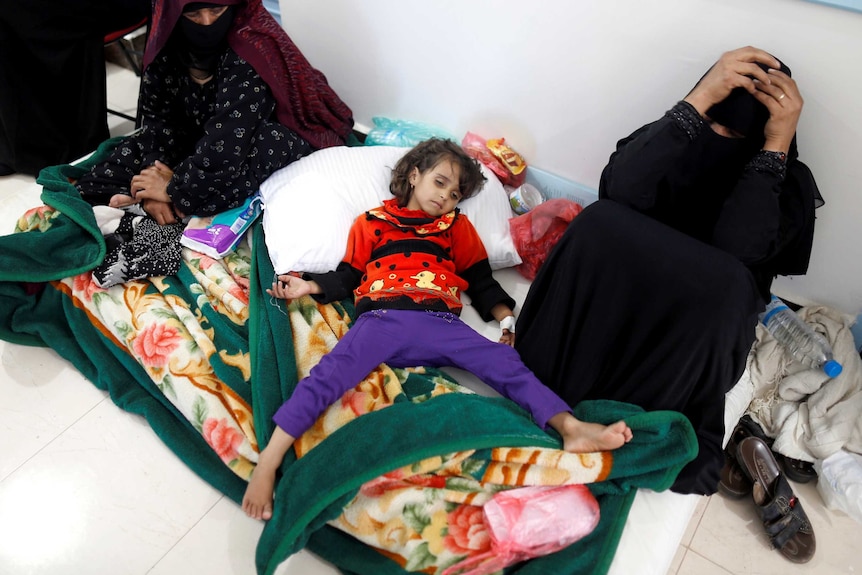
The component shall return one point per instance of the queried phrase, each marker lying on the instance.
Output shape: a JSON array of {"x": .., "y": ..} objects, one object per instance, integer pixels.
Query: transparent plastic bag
[
  {"x": 529, "y": 522},
  {"x": 403, "y": 133},
  {"x": 839, "y": 482},
  {"x": 538, "y": 231}
]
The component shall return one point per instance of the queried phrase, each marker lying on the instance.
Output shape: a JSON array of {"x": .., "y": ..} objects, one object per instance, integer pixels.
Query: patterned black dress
[{"x": 221, "y": 139}]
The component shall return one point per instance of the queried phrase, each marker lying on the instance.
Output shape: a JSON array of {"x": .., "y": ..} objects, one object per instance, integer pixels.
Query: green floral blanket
[{"x": 391, "y": 479}]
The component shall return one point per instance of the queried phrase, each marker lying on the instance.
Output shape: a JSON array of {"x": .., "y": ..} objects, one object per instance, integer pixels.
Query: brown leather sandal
[
  {"x": 733, "y": 482},
  {"x": 780, "y": 511}
]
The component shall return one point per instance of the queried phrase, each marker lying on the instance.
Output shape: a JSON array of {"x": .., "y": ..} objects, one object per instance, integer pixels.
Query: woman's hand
[
  {"x": 162, "y": 212},
  {"x": 784, "y": 102},
  {"x": 122, "y": 201},
  {"x": 292, "y": 287},
  {"x": 152, "y": 183},
  {"x": 735, "y": 69}
]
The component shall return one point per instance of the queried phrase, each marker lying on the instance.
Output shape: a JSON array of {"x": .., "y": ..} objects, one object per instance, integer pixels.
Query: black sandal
[
  {"x": 733, "y": 482},
  {"x": 796, "y": 469},
  {"x": 778, "y": 507}
]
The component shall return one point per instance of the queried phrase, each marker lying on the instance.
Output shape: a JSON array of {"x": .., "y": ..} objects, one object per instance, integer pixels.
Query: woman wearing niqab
[
  {"x": 226, "y": 100},
  {"x": 651, "y": 296},
  {"x": 223, "y": 105}
]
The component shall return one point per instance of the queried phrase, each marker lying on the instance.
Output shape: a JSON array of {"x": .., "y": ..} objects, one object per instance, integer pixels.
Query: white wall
[{"x": 563, "y": 80}]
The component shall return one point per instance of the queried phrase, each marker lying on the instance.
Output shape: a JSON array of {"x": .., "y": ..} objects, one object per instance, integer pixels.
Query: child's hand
[
  {"x": 292, "y": 287},
  {"x": 507, "y": 323},
  {"x": 507, "y": 338}
]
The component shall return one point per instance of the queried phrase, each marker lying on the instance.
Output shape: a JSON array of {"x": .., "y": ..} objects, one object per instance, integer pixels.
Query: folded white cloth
[{"x": 810, "y": 415}]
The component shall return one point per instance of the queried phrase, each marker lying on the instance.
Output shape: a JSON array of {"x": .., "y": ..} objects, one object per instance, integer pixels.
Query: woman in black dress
[
  {"x": 53, "y": 96},
  {"x": 652, "y": 295},
  {"x": 226, "y": 100}
]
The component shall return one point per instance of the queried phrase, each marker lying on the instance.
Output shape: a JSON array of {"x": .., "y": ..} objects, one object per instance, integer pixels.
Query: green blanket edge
[
  {"x": 36, "y": 258},
  {"x": 381, "y": 441}
]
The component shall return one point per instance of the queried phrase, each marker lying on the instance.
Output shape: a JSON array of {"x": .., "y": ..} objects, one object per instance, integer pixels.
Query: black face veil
[
  {"x": 741, "y": 112},
  {"x": 200, "y": 46}
]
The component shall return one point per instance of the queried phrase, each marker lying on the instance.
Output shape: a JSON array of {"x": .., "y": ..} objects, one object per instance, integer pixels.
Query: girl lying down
[{"x": 406, "y": 263}]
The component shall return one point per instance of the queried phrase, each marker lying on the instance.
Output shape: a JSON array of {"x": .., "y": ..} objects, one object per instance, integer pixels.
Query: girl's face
[{"x": 435, "y": 192}]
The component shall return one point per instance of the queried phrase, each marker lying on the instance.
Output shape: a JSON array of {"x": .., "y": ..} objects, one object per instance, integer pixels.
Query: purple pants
[{"x": 408, "y": 338}]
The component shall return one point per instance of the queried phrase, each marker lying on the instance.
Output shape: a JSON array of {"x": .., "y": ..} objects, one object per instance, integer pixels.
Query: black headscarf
[
  {"x": 692, "y": 194},
  {"x": 715, "y": 162},
  {"x": 741, "y": 111},
  {"x": 744, "y": 114}
]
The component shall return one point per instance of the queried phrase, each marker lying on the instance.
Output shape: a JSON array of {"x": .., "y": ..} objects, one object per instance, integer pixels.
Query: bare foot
[
  {"x": 584, "y": 437},
  {"x": 257, "y": 501}
]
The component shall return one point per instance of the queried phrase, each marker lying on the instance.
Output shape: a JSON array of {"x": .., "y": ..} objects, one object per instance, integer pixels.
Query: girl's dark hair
[{"x": 424, "y": 156}]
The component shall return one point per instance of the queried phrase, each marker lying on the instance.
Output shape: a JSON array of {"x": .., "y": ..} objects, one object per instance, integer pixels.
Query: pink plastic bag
[
  {"x": 507, "y": 164},
  {"x": 538, "y": 231},
  {"x": 530, "y": 522}
]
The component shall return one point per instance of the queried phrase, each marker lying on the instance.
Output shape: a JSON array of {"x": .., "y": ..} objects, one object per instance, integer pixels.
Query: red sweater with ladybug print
[{"x": 405, "y": 259}]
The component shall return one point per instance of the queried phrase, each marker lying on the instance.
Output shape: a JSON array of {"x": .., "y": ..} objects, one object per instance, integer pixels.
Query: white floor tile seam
[
  {"x": 674, "y": 568},
  {"x": 692, "y": 556},
  {"x": 56, "y": 437},
  {"x": 184, "y": 535},
  {"x": 697, "y": 519}
]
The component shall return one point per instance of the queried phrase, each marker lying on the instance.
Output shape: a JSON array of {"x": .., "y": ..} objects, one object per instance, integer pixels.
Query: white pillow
[{"x": 310, "y": 205}]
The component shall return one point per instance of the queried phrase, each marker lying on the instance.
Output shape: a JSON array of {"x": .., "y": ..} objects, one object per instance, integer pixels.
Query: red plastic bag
[
  {"x": 507, "y": 164},
  {"x": 539, "y": 230},
  {"x": 530, "y": 522}
]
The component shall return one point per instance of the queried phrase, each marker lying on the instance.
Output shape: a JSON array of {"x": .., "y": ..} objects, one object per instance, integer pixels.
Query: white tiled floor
[{"x": 86, "y": 488}]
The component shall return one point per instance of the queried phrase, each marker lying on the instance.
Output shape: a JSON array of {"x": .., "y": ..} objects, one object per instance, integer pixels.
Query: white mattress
[{"x": 656, "y": 521}]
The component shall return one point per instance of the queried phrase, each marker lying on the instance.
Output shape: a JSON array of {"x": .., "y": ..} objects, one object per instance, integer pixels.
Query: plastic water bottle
[{"x": 804, "y": 344}]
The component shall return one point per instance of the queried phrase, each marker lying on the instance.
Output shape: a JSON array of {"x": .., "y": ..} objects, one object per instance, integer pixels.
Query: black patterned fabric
[
  {"x": 220, "y": 138},
  {"x": 140, "y": 248}
]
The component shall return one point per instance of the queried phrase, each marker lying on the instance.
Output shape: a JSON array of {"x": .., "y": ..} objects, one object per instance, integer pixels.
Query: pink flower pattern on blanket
[
  {"x": 155, "y": 343},
  {"x": 239, "y": 292},
  {"x": 359, "y": 402},
  {"x": 395, "y": 480},
  {"x": 223, "y": 438},
  {"x": 84, "y": 285},
  {"x": 467, "y": 531}
]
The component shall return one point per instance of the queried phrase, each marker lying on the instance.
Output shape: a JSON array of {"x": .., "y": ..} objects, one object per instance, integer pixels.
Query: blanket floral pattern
[
  {"x": 189, "y": 333},
  {"x": 180, "y": 333}
]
